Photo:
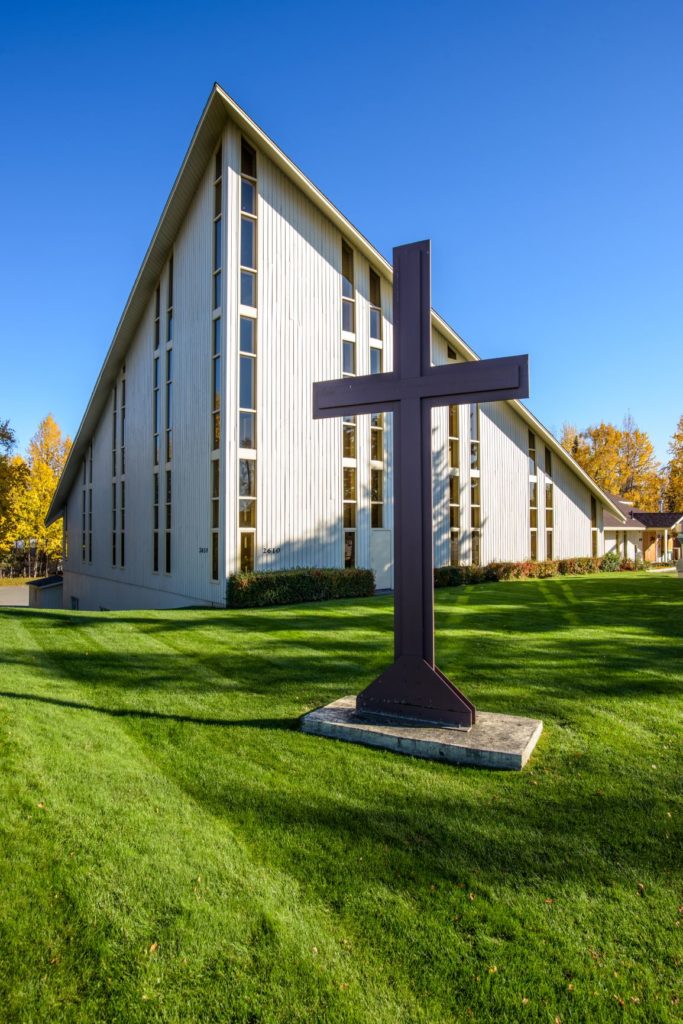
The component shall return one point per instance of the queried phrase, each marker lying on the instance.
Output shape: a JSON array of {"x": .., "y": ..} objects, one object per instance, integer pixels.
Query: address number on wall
[{"x": 271, "y": 551}]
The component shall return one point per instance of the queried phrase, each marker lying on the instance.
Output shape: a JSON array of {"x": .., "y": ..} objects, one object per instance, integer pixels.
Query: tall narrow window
[
  {"x": 348, "y": 291},
  {"x": 594, "y": 528},
  {"x": 157, "y": 317},
  {"x": 90, "y": 503},
  {"x": 169, "y": 404},
  {"x": 349, "y": 424},
  {"x": 155, "y": 521},
  {"x": 84, "y": 512},
  {"x": 377, "y": 470},
  {"x": 549, "y": 506},
  {"x": 454, "y": 483},
  {"x": 169, "y": 303},
  {"x": 215, "y": 516},
  {"x": 247, "y": 357},
  {"x": 375, "y": 306},
  {"x": 113, "y": 523},
  {"x": 248, "y": 213},
  {"x": 533, "y": 498},
  {"x": 475, "y": 484},
  {"x": 216, "y": 372},
  {"x": 123, "y": 421},
  {"x": 167, "y": 522},
  {"x": 156, "y": 410},
  {"x": 122, "y": 524},
  {"x": 114, "y": 436},
  {"x": 350, "y": 502}
]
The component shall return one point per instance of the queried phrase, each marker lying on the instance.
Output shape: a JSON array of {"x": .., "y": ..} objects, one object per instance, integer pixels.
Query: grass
[
  {"x": 173, "y": 850},
  {"x": 16, "y": 581}
]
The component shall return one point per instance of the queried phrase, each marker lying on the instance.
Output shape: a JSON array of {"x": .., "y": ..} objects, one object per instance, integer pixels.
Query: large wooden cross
[{"x": 413, "y": 687}]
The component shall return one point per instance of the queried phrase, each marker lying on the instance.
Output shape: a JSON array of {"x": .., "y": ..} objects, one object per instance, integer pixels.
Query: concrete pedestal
[{"x": 495, "y": 741}]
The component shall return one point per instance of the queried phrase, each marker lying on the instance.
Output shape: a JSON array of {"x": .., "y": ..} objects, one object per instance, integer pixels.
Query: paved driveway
[{"x": 13, "y": 596}]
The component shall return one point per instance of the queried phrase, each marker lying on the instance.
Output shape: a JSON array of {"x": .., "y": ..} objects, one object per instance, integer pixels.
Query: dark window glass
[
  {"x": 155, "y": 552},
  {"x": 377, "y": 516},
  {"x": 248, "y": 243},
  {"x": 375, "y": 324},
  {"x": 375, "y": 289},
  {"x": 375, "y": 360},
  {"x": 248, "y": 159},
  {"x": 349, "y": 437},
  {"x": 168, "y": 487},
  {"x": 247, "y": 552},
  {"x": 218, "y": 164},
  {"x": 348, "y": 357},
  {"x": 247, "y": 383},
  {"x": 169, "y": 403},
  {"x": 533, "y": 518},
  {"x": 376, "y": 485},
  {"x": 247, "y": 478},
  {"x": 217, "y": 244},
  {"x": 217, "y": 288},
  {"x": 217, "y": 199},
  {"x": 247, "y": 512},
  {"x": 350, "y": 514},
  {"x": 216, "y": 430},
  {"x": 214, "y": 556},
  {"x": 476, "y": 549},
  {"x": 348, "y": 316},
  {"x": 248, "y": 196},
  {"x": 247, "y": 288},
  {"x": 533, "y": 493},
  {"x": 454, "y": 453},
  {"x": 474, "y": 456},
  {"x": 247, "y": 430},
  {"x": 548, "y": 463},
  {"x": 376, "y": 452},
  {"x": 474, "y": 498},
  {"x": 170, "y": 282},
  {"x": 455, "y": 549},
  {"x": 168, "y": 551},
  {"x": 454, "y": 490},
  {"x": 349, "y": 550},
  {"x": 474, "y": 422},
  {"x": 156, "y": 373},
  {"x": 215, "y": 514},
  {"x": 169, "y": 326},
  {"x": 453, "y": 421},
  {"x": 247, "y": 334},
  {"x": 549, "y": 544},
  {"x": 217, "y": 336},
  {"x": 216, "y": 479},
  {"x": 534, "y": 546},
  {"x": 347, "y": 271},
  {"x": 454, "y": 517},
  {"x": 217, "y": 383},
  {"x": 349, "y": 483}
]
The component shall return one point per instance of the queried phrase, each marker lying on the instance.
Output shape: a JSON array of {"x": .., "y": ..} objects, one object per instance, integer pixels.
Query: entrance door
[{"x": 380, "y": 558}]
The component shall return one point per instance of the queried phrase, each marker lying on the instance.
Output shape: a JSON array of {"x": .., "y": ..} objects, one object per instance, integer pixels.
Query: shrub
[
  {"x": 610, "y": 562},
  {"x": 292, "y": 586}
]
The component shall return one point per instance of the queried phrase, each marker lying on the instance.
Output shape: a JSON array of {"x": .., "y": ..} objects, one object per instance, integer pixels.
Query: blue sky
[{"x": 538, "y": 144}]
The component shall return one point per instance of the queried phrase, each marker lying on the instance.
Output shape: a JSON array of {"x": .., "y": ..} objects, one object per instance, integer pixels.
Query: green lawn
[{"x": 172, "y": 849}]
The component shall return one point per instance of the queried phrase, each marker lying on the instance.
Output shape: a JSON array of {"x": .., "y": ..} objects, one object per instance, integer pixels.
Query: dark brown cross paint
[{"x": 413, "y": 687}]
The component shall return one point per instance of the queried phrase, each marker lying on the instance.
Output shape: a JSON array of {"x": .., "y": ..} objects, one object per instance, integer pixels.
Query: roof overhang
[{"x": 219, "y": 109}]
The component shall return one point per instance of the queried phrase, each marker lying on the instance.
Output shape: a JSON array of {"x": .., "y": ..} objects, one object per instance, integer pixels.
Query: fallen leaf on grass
[{"x": 154, "y": 947}]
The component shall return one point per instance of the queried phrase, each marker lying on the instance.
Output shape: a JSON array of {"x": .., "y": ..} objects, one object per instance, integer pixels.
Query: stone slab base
[{"x": 494, "y": 741}]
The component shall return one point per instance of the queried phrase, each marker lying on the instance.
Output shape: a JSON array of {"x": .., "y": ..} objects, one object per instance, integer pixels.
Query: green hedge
[
  {"x": 292, "y": 586},
  {"x": 457, "y": 575}
]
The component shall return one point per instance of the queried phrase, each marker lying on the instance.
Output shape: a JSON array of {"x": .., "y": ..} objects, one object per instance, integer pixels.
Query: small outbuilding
[
  {"x": 644, "y": 536},
  {"x": 46, "y": 592}
]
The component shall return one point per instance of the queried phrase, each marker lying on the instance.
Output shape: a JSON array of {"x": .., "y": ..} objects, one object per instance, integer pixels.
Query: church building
[{"x": 198, "y": 454}]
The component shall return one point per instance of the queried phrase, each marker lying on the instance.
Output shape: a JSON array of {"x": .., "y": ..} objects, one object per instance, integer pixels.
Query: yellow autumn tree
[
  {"x": 13, "y": 474},
  {"x": 674, "y": 471},
  {"x": 46, "y": 455},
  {"x": 621, "y": 461}
]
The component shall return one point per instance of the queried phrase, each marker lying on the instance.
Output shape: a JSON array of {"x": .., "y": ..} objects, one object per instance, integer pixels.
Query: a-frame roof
[{"x": 219, "y": 109}]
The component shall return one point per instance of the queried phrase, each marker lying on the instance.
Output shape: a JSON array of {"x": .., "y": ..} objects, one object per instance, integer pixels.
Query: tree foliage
[
  {"x": 26, "y": 489},
  {"x": 673, "y": 497},
  {"x": 621, "y": 460}
]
